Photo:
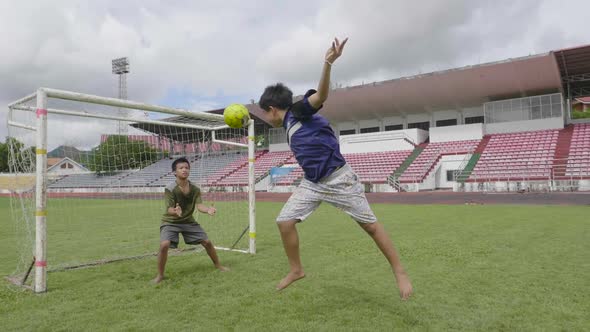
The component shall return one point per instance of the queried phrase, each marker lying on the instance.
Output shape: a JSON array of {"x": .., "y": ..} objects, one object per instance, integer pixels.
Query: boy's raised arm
[{"x": 317, "y": 99}]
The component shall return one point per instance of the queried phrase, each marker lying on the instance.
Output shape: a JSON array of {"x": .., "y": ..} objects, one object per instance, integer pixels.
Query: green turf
[
  {"x": 473, "y": 268},
  {"x": 83, "y": 230}
]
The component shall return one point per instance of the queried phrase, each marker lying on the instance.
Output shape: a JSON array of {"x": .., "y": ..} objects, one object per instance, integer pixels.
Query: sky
[{"x": 203, "y": 55}]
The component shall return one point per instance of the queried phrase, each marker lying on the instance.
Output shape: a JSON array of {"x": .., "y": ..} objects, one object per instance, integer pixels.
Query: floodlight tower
[{"x": 121, "y": 68}]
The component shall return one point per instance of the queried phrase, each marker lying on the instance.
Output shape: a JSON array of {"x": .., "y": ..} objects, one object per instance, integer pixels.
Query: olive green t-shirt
[{"x": 173, "y": 194}]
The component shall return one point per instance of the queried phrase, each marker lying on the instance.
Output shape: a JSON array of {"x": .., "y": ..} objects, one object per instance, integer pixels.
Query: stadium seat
[
  {"x": 514, "y": 156},
  {"x": 578, "y": 164}
]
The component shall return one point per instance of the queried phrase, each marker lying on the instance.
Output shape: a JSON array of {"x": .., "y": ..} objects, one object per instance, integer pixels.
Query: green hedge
[{"x": 580, "y": 115}]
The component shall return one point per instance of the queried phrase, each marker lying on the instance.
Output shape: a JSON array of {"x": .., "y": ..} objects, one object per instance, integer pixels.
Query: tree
[
  {"x": 119, "y": 153},
  {"x": 261, "y": 141},
  {"x": 14, "y": 152},
  {"x": 4, "y": 157}
]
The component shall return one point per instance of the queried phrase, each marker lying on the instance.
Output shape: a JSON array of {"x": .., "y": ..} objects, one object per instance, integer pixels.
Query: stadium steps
[
  {"x": 466, "y": 172},
  {"x": 430, "y": 157},
  {"x": 564, "y": 140},
  {"x": 123, "y": 176},
  {"x": 263, "y": 165},
  {"x": 402, "y": 168},
  {"x": 241, "y": 166},
  {"x": 265, "y": 174},
  {"x": 151, "y": 182},
  {"x": 281, "y": 163},
  {"x": 482, "y": 144}
]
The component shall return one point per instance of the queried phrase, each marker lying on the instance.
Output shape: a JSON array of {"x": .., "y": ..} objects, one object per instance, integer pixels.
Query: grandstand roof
[
  {"x": 452, "y": 89},
  {"x": 574, "y": 68},
  {"x": 458, "y": 88}
]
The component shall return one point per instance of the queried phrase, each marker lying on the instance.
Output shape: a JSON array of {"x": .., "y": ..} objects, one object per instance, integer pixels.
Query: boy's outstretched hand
[
  {"x": 211, "y": 211},
  {"x": 178, "y": 210},
  {"x": 335, "y": 50}
]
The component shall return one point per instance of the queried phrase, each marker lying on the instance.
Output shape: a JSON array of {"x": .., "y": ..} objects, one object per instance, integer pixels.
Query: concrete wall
[
  {"x": 456, "y": 133},
  {"x": 393, "y": 120},
  {"x": 528, "y": 125},
  {"x": 278, "y": 147},
  {"x": 420, "y": 135},
  {"x": 369, "y": 124},
  {"x": 446, "y": 115},
  {"x": 472, "y": 111},
  {"x": 447, "y": 163},
  {"x": 377, "y": 142},
  {"x": 347, "y": 126},
  {"x": 421, "y": 117}
]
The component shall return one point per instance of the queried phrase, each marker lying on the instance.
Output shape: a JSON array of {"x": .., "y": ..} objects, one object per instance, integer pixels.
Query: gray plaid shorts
[
  {"x": 192, "y": 233},
  {"x": 342, "y": 189}
]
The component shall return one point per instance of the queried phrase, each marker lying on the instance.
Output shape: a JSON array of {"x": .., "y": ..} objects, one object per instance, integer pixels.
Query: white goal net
[{"x": 95, "y": 191}]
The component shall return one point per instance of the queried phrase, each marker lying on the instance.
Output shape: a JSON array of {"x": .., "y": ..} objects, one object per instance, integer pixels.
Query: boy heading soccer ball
[{"x": 328, "y": 178}]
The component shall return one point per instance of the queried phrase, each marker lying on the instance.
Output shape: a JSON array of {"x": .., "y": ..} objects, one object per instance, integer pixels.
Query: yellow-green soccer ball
[{"x": 236, "y": 116}]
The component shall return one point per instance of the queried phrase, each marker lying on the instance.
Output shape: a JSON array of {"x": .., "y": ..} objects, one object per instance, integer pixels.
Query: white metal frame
[
  {"x": 44, "y": 94},
  {"x": 490, "y": 108}
]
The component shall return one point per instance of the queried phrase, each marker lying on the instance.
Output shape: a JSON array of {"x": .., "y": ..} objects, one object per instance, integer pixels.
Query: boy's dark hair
[
  {"x": 178, "y": 161},
  {"x": 278, "y": 96}
]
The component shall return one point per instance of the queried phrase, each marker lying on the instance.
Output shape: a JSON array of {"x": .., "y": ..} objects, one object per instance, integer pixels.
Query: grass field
[{"x": 473, "y": 268}]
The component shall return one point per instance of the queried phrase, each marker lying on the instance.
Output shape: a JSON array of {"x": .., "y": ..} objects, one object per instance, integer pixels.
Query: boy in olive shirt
[{"x": 181, "y": 199}]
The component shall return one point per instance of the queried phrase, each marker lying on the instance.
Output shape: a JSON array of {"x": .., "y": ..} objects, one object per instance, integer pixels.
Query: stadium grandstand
[{"x": 500, "y": 126}]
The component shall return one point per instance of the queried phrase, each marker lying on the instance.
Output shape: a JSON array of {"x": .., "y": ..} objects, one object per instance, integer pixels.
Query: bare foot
[
  {"x": 404, "y": 285},
  {"x": 158, "y": 279},
  {"x": 289, "y": 279},
  {"x": 222, "y": 268}
]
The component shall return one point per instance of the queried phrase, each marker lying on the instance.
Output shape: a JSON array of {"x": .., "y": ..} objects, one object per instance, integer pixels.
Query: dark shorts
[{"x": 191, "y": 233}]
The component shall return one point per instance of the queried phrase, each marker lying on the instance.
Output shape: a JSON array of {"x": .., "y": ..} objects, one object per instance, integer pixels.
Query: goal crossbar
[
  {"x": 117, "y": 118},
  {"x": 107, "y": 101}
]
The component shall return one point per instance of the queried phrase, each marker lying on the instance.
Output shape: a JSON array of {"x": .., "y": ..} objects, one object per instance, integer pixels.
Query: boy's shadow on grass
[
  {"x": 379, "y": 302},
  {"x": 195, "y": 267}
]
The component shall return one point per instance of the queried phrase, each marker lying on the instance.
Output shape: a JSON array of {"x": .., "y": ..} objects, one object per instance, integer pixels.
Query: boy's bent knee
[
  {"x": 370, "y": 228},
  {"x": 164, "y": 245},
  {"x": 287, "y": 225},
  {"x": 207, "y": 243}
]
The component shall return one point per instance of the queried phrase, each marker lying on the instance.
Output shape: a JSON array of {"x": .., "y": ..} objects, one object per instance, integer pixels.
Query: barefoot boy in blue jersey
[
  {"x": 181, "y": 198},
  {"x": 327, "y": 176}
]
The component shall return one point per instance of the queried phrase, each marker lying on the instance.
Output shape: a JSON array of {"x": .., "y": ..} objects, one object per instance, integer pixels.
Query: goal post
[{"x": 102, "y": 188}]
